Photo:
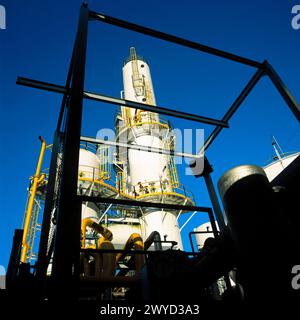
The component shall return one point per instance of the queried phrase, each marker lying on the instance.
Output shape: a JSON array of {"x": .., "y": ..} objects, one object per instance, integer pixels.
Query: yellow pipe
[
  {"x": 107, "y": 265},
  {"x": 36, "y": 180},
  {"x": 87, "y": 222},
  {"x": 134, "y": 241}
]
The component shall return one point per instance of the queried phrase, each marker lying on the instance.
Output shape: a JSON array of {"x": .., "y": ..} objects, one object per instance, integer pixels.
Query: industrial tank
[
  {"x": 273, "y": 169},
  {"x": 200, "y": 236},
  {"x": 149, "y": 176}
]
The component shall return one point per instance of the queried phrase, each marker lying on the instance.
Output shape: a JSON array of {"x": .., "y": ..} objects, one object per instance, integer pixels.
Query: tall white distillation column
[{"x": 149, "y": 176}]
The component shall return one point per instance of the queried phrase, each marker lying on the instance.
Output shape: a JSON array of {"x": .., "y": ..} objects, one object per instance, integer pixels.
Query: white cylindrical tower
[
  {"x": 150, "y": 176},
  {"x": 203, "y": 232}
]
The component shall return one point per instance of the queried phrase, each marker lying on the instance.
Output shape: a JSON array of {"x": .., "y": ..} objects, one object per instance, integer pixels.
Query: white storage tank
[
  {"x": 273, "y": 169},
  {"x": 201, "y": 237},
  {"x": 166, "y": 224},
  {"x": 122, "y": 229},
  {"x": 88, "y": 172},
  {"x": 88, "y": 165},
  {"x": 142, "y": 80}
]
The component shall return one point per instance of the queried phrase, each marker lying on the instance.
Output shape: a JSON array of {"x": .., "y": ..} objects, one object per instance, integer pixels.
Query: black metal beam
[
  {"x": 174, "y": 39},
  {"x": 67, "y": 88},
  {"x": 14, "y": 260},
  {"x": 136, "y": 203},
  {"x": 131, "y": 252},
  {"x": 231, "y": 111},
  {"x": 121, "y": 102},
  {"x": 139, "y": 147},
  {"x": 41, "y": 85},
  {"x": 196, "y": 232},
  {"x": 282, "y": 89},
  {"x": 67, "y": 239},
  {"x": 49, "y": 203},
  {"x": 156, "y": 109}
]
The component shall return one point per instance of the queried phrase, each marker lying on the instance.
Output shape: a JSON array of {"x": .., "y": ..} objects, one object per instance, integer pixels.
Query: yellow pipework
[
  {"x": 105, "y": 266},
  {"x": 135, "y": 241},
  {"x": 87, "y": 222},
  {"x": 37, "y": 179}
]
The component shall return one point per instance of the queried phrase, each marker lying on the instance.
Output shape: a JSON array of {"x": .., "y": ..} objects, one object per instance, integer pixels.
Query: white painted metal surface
[
  {"x": 167, "y": 226},
  {"x": 129, "y": 92},
  {"x": 273, "y": 169},
  {"x": 122, "y": 229},
  {"x": 88, "y": 165},
  {"x": 88, "y": 169},
  {"x": 148, "y": 173},
  {"x": 201, "y": 237},
  {"x": 147, "y": 166}
]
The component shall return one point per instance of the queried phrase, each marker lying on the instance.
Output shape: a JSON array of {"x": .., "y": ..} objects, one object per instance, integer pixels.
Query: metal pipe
[
  {"x": 154, "y": 237},
  {"x": 214, "y": 201},
  {"x": 213, "y": 223},
  {"x": 282, "y": 89},
  {"x": 156, "y": 109},
  {"x": 37, "y": 179},
  {"x": 143, "y": 203},
  {"x": 135, "y": 242},
  {"x": 107, "y": 209},
  {"x": 131, "y": 252},
  {"x": 231, "y": 111},
  {"x": 205, "y": 173},
  {"x": 187, "y": 221},
  {"x": 253, "y": 221},
  {"x": 171, "y": 38},
  {"x": 121, "y": 102},
  {"x": 87, "y": 222},
  {"x": 140, "y": 147}
]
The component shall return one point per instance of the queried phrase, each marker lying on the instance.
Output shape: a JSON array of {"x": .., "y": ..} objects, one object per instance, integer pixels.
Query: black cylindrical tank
[{"x": 249, "y": 203}]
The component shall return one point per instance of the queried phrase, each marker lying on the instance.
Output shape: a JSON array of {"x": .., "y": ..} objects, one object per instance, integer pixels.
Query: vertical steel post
[
  {"x": 211, "y": 189},
  {"x": 214, "y": 201},
  {"x": 14, "y": 260},
  {"x": 41, "y": 262},
  {"x": 67, "y": 239}
]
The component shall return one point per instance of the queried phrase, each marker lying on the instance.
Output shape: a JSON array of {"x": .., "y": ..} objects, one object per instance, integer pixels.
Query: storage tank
[
  {"x": 203, "y": 232},
  {"x": 122, "y": 229},
  {"x": 273, "y": 169},
  {"x": 280, "y": 161},
  {"x": 88, "y": 172}
]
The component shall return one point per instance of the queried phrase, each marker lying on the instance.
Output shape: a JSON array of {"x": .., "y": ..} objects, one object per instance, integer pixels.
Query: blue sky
[{"x": 38, "y": 42}]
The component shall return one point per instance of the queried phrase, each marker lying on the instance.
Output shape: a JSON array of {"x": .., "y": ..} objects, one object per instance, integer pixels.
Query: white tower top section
[{"x": 137, "y": 81}]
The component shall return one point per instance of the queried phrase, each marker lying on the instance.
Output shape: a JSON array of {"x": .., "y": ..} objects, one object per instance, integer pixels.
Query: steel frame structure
[{"x": 67, "y": 143}]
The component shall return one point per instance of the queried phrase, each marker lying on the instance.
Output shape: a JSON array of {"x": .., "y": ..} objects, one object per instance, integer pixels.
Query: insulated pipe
[
  {"x": 154, "y": 237},
  {"x": 252, "y": 215},
  {"x": 107, "y": 234},
  {"x": 106, "y": 265},
  {"x": 37, "y": 179},
  {"x": 135, "y": 241},
  {"x": 247, "y": 198}
]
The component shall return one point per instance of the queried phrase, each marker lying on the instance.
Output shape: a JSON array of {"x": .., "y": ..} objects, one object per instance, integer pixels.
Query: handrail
[{"x": 37, "y": 179}]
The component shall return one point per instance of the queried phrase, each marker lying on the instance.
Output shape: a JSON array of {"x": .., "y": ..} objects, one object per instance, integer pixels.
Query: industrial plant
[{"x": 102, "y": 221}]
